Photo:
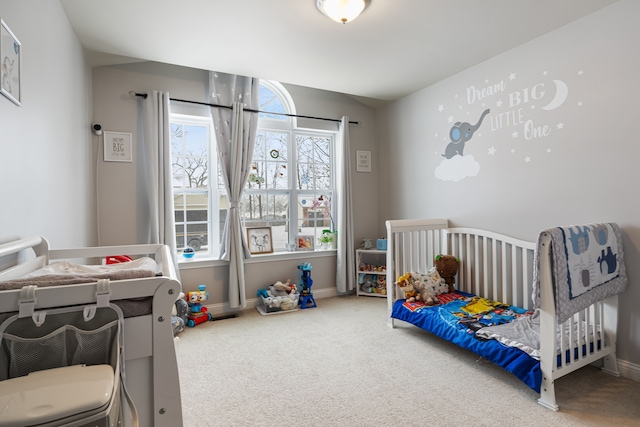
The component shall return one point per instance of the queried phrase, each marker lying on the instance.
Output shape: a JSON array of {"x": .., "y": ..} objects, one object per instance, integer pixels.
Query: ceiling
[{"x": 394, "y": 48}]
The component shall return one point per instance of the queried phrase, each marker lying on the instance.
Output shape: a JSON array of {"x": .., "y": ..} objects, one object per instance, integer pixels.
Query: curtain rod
[{"x": 144, "y": 95}]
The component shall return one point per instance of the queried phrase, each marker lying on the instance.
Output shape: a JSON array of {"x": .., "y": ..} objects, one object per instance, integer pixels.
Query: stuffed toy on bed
[
  {"x": 447, "y": 266},
  {"x": 423, "y": 287}
]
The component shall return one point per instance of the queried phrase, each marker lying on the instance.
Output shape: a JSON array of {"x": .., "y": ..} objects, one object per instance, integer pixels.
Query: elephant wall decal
[{"x": 460, "y": 133}]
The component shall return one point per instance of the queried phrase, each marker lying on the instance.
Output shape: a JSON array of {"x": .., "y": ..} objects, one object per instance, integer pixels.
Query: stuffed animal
[
  {"x": 280, "y": 289},
  {"x": 424, "y": 288},
  {"x": 447, "y": 266},
  {"x": 406, "y": 284}
]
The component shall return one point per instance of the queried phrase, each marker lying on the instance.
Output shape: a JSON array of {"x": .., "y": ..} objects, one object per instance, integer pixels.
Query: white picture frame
[
  {"x": 117, "y": 147},
  {"x": 363, "y": 161},
  {"x": 10, "y": 64},
  {"x": 305, "y": 243},
  {"x": 259, "y": 240}
]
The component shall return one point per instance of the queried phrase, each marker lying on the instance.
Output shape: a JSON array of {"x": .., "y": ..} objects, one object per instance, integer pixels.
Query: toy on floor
[
  {"x": 198, "y": 313},
  {"x": 179, "y": 313},
  {"x": 279, "y": 297},
  {"x": 306, "y": 296}
]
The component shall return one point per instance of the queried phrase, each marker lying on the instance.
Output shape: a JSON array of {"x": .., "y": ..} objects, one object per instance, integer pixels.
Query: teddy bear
[{"x": 447, "y": 266}]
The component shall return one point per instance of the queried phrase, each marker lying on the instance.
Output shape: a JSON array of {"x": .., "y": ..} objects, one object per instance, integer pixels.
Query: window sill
[{"x": 205, "y": 261}]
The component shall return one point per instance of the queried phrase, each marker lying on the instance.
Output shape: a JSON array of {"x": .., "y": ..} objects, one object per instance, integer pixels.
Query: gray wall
[
  {"x": 116, "y": 111},
  {"x": 580, "y": 168},
  {"x": 47, "y": 159}
]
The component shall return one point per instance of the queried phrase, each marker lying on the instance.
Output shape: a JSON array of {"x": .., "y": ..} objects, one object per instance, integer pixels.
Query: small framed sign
[
  {"x": 304, "y": 243},
  {"x": 117, "y": 147},
  {"x": 10, "y": 61},
  {"x": 363, "y": 161},
  {"x": 259, "y": 239}
]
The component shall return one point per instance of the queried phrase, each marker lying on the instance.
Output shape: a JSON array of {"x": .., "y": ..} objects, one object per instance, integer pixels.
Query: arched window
[
  {"x": 289, "y": 190},
  {"x": 290, "y": 186}
]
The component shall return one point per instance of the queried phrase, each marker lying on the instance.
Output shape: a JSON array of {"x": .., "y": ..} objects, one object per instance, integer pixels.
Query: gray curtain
[
  {"x": 157, "y": 220},
  {"x": 235, "y": 136},
  {"x": 345, "y": 281}
]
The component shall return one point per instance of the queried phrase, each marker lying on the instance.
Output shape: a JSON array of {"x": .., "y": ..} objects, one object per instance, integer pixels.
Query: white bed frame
[
  {"x": 500, "y": 268},
  {"x": 150, "y": 358}
]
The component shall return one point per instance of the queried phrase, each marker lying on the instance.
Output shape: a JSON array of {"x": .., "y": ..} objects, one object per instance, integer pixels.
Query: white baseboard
[
  {"x": 223, "y": 309},
  {"x": 629, "y": 370}
]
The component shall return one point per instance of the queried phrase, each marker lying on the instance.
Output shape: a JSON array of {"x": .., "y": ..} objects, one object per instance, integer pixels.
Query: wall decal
[
  {"x": 455, "y": 165},
  {"x": 562, "y": 91},
  {"x": 460, "y": 133},
  {"x": 519, "y": 115}
]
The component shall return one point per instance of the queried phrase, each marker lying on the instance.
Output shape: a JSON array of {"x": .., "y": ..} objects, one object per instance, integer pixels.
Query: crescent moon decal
[{"x": 562, "y": 91}]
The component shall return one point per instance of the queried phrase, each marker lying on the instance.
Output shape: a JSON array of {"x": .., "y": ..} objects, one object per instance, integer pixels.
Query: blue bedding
[{"x": 457, "y": 321}]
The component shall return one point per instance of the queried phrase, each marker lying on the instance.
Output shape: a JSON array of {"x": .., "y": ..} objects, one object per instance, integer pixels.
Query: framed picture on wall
[
  {"x": 363, "y": 161},
  {"x": 304, "y": 243},
  {"x": 117, "y": 147},
  {"x": 10, "y": 61},
  {"x": 259, "y": 240}
]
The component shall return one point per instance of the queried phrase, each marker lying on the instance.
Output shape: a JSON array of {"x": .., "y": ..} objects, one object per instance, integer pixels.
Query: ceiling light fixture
[{"x": 342, "y": 10}]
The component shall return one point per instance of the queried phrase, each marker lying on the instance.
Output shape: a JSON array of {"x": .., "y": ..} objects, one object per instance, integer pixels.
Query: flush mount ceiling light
[{"x": 342, "y": 11}]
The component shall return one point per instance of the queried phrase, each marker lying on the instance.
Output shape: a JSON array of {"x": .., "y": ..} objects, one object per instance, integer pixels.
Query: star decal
[
  {"x": 450, "y": 119},
  {"x": 514, "y": 134},
  {"x": 441, "y": 108},
  {"x": 499, "y": 103},
  {"x": 527, "y": 159},
  {"x": 512, "y": 76},
  {"x": 560, "y": 126},
  {"x": 492, "y": 150}
]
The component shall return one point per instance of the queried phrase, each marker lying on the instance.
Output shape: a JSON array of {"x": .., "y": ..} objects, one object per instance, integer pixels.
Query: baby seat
[{"x": 64, "y": 366}]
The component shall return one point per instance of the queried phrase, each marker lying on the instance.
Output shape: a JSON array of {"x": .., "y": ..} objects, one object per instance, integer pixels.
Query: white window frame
[
  {"x": 212, "y": 191},
  {"x": 289, "y": 126}
]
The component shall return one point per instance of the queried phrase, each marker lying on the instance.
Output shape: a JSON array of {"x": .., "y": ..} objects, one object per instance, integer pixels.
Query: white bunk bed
[
  {"x": 150, "y": 359},
  {"x": 515, "y": 272}
]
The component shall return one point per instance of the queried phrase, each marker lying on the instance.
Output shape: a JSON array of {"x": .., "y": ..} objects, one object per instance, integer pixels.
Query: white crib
[{"x": 501, "y": 268}]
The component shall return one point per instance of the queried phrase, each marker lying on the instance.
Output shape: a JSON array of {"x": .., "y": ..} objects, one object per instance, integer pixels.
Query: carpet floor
[{"x": 339, "y": 364}]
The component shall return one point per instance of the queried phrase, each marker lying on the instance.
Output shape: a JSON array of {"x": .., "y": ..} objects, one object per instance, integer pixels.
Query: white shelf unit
[{"x": 370, "y": 268}]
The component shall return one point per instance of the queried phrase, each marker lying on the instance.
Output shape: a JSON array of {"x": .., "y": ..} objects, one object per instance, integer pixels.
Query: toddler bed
[
  {"x": 145, "y": 290},
  {"x": 538, "y": 310}
]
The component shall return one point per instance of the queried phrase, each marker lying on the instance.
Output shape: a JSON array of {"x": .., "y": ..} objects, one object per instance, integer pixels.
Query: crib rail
[
  {"x": 411, "y": 246},
  {"x": 495, "y": 266},
  {"x": 586, "y": 337},
  {"x": 11, "y": 252}
]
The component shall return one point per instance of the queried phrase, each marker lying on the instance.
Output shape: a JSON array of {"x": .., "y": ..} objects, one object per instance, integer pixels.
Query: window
[
  {"x": 200, "y": 210},
  {"x": 289, "y": 189},
  {"x": 291, "y": 183}
]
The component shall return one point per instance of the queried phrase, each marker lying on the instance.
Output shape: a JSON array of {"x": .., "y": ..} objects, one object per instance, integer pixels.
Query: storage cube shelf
[{"x": 371, "y": 273}]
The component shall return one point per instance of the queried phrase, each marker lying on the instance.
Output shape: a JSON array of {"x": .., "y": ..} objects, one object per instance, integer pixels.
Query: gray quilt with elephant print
[{"x": 588, "y": 266}]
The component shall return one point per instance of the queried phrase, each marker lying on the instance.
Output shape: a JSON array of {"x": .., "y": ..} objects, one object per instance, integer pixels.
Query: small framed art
[
  {"x": 304, "y": 243},
  {"x": 11, "y": 63},
  {"x": 259, "y": 239},
  {"x": 363, "y": 161},
  {"x": 117, "y": 147}
]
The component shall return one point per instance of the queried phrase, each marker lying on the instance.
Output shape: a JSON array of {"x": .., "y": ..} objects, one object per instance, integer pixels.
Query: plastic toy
[
  {"x": 197, "y": 312},
  {"x": 117, "y": 259},
  {"x": 188, "y": 252},
  {"x": 306, "y": 296}
]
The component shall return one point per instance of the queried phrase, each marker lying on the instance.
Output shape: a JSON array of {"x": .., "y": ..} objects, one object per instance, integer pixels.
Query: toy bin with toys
[{"x": 278, "y": 297}]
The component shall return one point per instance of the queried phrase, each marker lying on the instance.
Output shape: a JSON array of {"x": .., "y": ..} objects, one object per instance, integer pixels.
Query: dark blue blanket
[{"x": 450, "y": 322}]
